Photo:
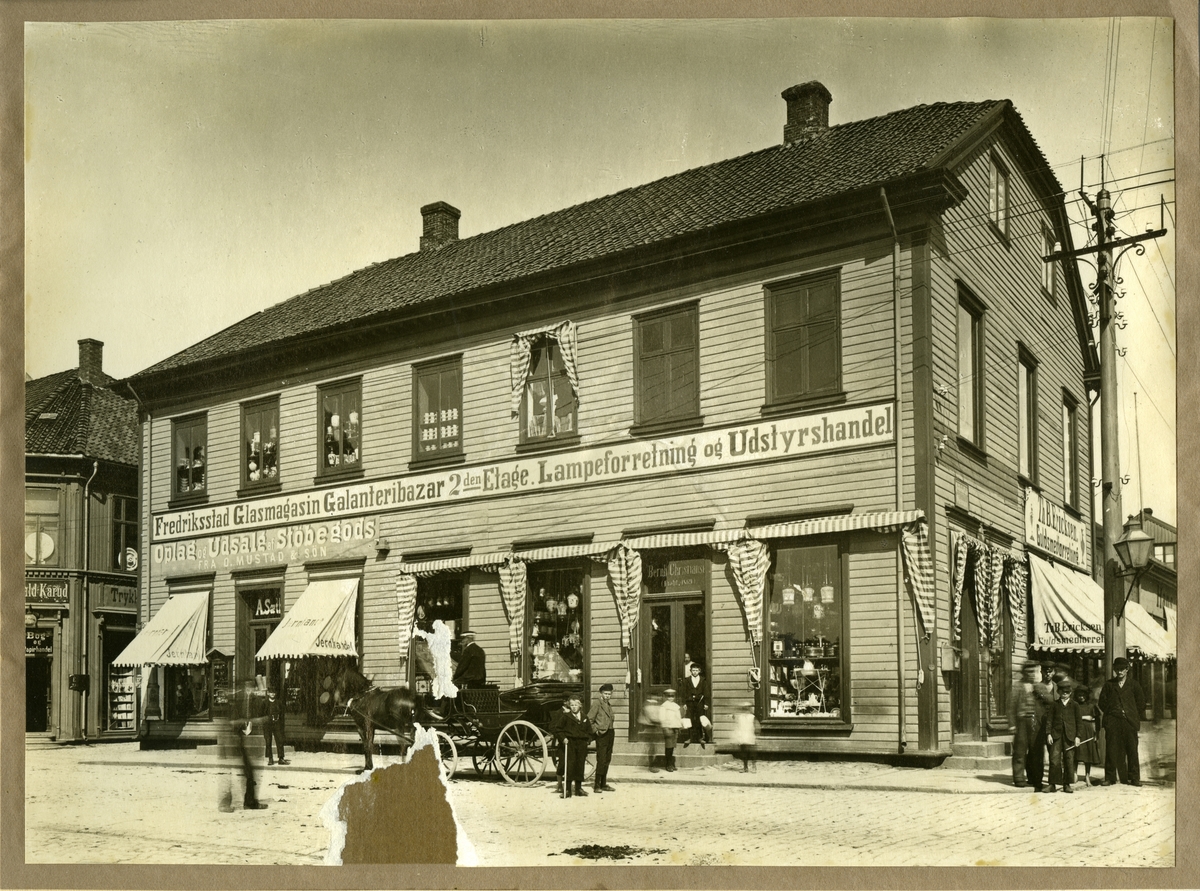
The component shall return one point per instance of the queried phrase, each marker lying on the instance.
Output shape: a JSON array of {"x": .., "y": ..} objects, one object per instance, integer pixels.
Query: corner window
[
  {"x": 549, "y": 407},
  {"x": 998, "y": 196},
  {"x": 41, "y": 528},
  {"x": 970, "y": 369},
  {"x": 1049, "y": 245},
  {"x": 807, "y": 634},
  {"x": 804, "y": 352},
  {"x": 667, "y": 366},
  {"x": 1070, "y": 431},
  {"x": 341, "y": 428},
  {"x": 190, "y": 456},
  {"x": 125, "y": 533},
  {"x": 260, "y": 444},
  {"x": 437, "y": 409},
  {"x": 1027, "y": 417}
]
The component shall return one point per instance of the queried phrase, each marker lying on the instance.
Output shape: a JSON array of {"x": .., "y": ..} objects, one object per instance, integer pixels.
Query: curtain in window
[
  {"x": 750, "y": 561},
  {"x": 989, "y": 567},
  {"x": 1016, "y": 585},
  {"x": 918, "y": 566},
  {"x": 406, "y": 607},
  {"x": 625, "y": 574},
  {"x": 512, "y": 593},
  {"x": 960, "y": 547},
  {"x": 520, "y": 357}
]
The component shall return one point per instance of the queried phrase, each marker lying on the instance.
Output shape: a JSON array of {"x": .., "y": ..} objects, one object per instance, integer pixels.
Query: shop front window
[
  {"x": 41, "y": 527},
  {"x": 187, "y": 692},
  {"x": 190, "y": 457},
  {"x": 806, "y": 634},
  {"x": 260, "y": 444},
  {"x": 439, "y": 597},
  {"x": 556, "y": 624},
  {"x": 549, "y": 405},
  {"x": 341, "y": 428}
]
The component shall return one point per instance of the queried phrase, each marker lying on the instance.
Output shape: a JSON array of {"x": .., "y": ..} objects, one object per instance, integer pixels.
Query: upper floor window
[
  {"x": 1048, "y": 247},
  {"x": 125, "y": 533},
  {"x": 804, "y": 339},
  {"x": 1165, "y": 553},
  {"x": 260, "y": 443},
  {"x": 549, "y": 406},
  {"x": 190, "y": 456},
  {"x": 341, "y": 427},
  {"x": 41, "y": 527},
  {"x": 1027, "y": 417},
  {"x": 667, "y": 365},
  {"x": 998, "y": 196},
  {"x": 970, "y": 369},
  {"x": 1070, "y": 423},
  {"x": 437, "y": 409}
]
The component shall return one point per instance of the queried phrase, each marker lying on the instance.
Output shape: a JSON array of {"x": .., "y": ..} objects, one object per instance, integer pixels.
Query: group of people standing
[
  {"x": 1052, "y": 715},
  {"x": 573, "y": 732}
]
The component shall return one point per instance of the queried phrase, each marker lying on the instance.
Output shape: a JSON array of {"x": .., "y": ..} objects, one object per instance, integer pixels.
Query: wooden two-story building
[
  {"x": 776, "y": 415},
  {"x": 82, "y": 534}
]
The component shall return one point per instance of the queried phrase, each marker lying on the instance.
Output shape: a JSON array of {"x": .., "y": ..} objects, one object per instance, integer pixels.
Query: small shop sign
[
  {"x": 1050, "y": 529},
  {"x": 782, "y": 439},
  {"x": 42, "y": 593},
  {"x": 267, "y": 605},
  {"x": 114, "y": 598},
  {"x": 39, "y": 641}
]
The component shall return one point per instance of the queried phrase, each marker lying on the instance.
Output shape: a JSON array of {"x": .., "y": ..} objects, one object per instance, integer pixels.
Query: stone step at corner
[{"x": 994, "y": 754}]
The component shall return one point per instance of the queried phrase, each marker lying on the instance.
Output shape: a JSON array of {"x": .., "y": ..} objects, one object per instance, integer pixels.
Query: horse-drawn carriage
[{"x": 502, "y": 732}]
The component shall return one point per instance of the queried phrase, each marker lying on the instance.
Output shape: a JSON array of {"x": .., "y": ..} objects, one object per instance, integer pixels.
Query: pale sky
[{"x": 181, "y": 176}]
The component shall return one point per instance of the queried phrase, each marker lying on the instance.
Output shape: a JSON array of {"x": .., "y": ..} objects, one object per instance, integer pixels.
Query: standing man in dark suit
[
  {"x": 1062, "y": 736},
  {"x": 1123, "y": 704},
  {"x": 472, "y": 663},
  {"x": 600, "y": 715}
]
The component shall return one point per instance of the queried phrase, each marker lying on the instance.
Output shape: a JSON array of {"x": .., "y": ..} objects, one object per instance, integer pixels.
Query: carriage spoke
[{"x": 521, "y": 753}]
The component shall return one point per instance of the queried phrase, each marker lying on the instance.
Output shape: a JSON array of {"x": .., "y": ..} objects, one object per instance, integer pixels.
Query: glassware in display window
[
  {"x": 557, "y": 625},
  {"x": 805, "y": 628}
]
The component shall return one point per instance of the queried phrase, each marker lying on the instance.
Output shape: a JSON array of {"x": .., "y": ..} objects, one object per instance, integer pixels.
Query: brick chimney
[
  {"x": 807, "y": 111},
  {"x": 441, "y": 225},
  {"x": 91, "y": 361}
]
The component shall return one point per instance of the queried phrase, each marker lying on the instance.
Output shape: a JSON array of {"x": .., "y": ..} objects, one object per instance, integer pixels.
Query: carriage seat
[{"x": 483, "y": 700}]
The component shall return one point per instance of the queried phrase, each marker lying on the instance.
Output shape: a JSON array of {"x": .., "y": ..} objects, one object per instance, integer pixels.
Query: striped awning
[
  {"x": 880, "y": 521},
  {"x": 320, "y": 623},
  {"x": 452, "y": 564},
  {"x": 563, "y": 552},
  {"x": 177, "y": 635}
]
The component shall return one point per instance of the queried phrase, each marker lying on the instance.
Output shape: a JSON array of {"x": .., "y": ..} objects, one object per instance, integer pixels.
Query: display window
[
  {"x": 806, "y": 636},
  {"x": 190, "y": 457},
  {"x": 439, "y": 597},
  {"x": 120, "y": 684},
  {"x": 557, "y": 624},
  {"x": 341, "y": 428},
  {"x": 186, "y": 693},
  {"x": 260, "y": 444}
]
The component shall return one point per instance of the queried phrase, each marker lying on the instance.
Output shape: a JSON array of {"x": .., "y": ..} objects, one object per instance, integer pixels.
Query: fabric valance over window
[
  {"x": 998, "y": 576},
  {"x": 521, "y": 351},
  {"x": 513, "y": 587},
  {"x": 625, "y": 574},
  {"x": 750, "y": 560},
  {"x": 406, "y": 609}
]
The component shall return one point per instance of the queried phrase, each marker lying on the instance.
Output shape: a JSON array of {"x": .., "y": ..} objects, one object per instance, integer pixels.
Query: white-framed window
[
  {"x": 1070, "y": 430},
  {"x": 998, "y": 195},
  {"x": 1027, "y": 416}
]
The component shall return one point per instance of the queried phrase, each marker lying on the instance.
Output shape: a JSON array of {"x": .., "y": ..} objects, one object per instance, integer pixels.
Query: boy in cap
[
  {"x": 1025, "y": 710},
  {"x": 1062, "y": 736},
  {"x": 600, "y": 715},
  {"x": 670, "y": 720},
  {"x": 576, "y": 734},
  {"x": 1123, "y": 705}
]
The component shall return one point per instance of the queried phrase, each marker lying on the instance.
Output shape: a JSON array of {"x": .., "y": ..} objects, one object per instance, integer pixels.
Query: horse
[{"x": 389, "y": 708}]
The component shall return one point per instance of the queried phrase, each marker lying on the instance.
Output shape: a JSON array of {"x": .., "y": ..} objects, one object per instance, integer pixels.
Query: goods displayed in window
[
  {"x": 805, "y": 639},
  {"x": 438, "y": 598},
  {"x": 556, "y": 625},
  {"x": 260, "y": 441},
  {"x": 187, "y": 692},
  {"x": 439, "y": 408},
  {"x": 121, "y": 691},
  {"x": 340, "y": 411},
  {"x": 190, "y": 460}
]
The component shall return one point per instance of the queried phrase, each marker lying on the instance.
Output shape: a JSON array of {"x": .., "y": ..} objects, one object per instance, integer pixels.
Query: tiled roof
[
  {"x": 839, "y": 160},
  {"x": 65, "y": 416}
]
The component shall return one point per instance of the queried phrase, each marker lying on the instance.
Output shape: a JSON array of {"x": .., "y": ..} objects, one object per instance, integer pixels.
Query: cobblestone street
[{"x": 116, "y": 804}]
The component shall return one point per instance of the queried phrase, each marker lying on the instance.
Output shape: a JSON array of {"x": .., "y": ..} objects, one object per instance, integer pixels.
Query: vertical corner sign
[{"x": 1049, "y": 528}]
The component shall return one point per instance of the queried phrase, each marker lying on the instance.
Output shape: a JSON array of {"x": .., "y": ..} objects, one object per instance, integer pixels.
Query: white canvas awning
[
  {"x": 320, "y": 623},
  {"x": 1068, "y": 615},
  {"x": 177, "y": 635}
]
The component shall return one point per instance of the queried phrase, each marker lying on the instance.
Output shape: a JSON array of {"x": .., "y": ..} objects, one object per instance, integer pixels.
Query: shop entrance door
[
  {"x": 37, "y": 694},
  {"x": 964, "y": 700},
  {"x": 672, "y": 630}
]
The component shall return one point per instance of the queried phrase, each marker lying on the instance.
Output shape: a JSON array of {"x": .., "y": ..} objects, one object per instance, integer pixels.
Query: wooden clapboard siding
[
  {"x": 607, "y": 663},
  {"x": 731, "y": 657},
  {"x": 487, "y": 620},
  {"x": 387, "y": 420}
]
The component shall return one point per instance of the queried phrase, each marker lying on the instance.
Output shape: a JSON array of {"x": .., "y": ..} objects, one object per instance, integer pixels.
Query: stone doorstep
[{"x": 639, "y": 755}]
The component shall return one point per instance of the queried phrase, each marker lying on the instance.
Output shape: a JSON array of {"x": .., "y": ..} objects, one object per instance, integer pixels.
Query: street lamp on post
[{"x": 1133, "y": 550}]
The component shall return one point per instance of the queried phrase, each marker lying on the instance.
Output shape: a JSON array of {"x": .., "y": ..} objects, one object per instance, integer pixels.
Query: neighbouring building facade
[
  {"x": 781, "y": 416},
  {"x": 82, "y": 552}
]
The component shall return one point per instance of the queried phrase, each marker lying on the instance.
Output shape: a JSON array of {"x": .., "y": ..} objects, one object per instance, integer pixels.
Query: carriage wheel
[
  {"x": 447, "y": 754},
  {"x": 521, "y": 753},
  {"x": 485, "y": 763}
]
